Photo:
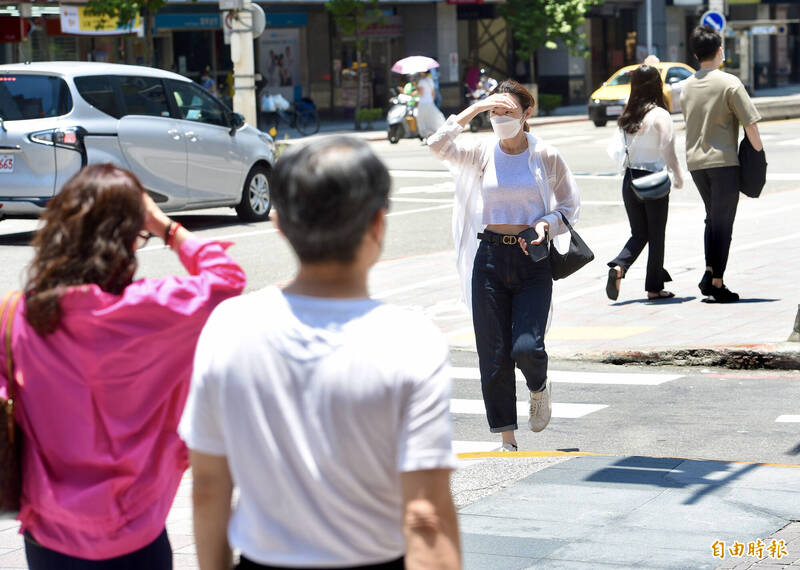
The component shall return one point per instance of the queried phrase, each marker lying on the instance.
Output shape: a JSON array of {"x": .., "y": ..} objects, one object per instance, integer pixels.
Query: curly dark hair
[
  {"x": 646, "y": 93},
  {"x": 88, "y": 236}
]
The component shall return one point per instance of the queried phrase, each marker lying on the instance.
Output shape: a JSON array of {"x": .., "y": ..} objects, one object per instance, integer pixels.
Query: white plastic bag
[
  {"x": 267, "y": 103},
  {"x": 280, "y": 102}
]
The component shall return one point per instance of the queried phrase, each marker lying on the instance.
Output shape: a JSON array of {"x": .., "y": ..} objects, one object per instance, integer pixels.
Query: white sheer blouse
[
  {"x": 651, "y": 147},
  {"x": 467, "y": 160}
]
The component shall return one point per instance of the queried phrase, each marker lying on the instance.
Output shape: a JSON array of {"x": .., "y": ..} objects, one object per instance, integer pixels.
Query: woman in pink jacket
[{"x": 102, "y": 373}]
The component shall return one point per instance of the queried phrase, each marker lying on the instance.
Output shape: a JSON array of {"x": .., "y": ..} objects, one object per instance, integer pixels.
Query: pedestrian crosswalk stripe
[
  {"x": 565, "y": 411},
  {"x": 788, "y": 418},
  {"x": 579, "y": 377}
]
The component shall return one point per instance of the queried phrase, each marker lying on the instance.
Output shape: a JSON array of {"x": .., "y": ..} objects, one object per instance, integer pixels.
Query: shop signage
[
  {"x": 13, "y": 29},
  {"x": 75, "y": 20},
  {"x": 389, "y": 27},
  {"x": 199, "y": 21},
  {"x": 287, "y": 20},
  {"x": 768, "y": 30}
]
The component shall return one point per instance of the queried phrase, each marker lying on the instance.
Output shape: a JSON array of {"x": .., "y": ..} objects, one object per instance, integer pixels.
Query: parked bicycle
[{"x": 301, "y": 116}]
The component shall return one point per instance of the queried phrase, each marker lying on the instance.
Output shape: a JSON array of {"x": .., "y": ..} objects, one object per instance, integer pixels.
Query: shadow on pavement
[
  {"x": 20, "y": 238},
  {"x": 740, "y": 301},
  {"x": 195, "y": 222},
  {"x": 646, "y": 301},
  {"x": 672, "y": 473}
]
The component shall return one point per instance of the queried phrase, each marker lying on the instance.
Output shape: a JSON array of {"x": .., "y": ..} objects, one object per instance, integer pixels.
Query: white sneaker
[
  {"x": 541, "y": 409},
  {"x": 508, "y": 447}
]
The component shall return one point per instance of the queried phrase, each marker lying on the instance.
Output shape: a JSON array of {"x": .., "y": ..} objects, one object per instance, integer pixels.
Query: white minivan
[{"x": 188, "y": 149}]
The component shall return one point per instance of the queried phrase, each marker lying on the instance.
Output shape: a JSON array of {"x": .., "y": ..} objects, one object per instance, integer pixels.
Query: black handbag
[
  {"x": 752, "y": 169},
  {"x": 578, "y": 255},
  {"x": 652, "y": 186}
]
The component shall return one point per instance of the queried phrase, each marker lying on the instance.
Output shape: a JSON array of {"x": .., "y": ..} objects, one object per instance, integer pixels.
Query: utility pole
[
  {"x": 243, "y": 22},
  {"x": 649, "y": 27},
  {"x": 244, "y": 96}
]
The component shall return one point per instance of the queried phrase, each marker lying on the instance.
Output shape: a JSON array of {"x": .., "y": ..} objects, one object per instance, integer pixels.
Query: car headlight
[{"x": 596, "y": 101}]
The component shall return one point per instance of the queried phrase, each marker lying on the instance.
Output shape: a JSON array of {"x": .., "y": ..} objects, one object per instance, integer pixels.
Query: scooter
[
  {"x": 480, "y": 120},
  {"x": 402, "y": 118}
]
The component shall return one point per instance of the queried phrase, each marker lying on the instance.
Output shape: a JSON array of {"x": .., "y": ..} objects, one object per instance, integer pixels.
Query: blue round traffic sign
[{"x": 714, "y": 20}]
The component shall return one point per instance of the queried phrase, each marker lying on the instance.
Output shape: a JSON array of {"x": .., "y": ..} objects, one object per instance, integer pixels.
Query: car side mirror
[{"x": 237, "y": 122}]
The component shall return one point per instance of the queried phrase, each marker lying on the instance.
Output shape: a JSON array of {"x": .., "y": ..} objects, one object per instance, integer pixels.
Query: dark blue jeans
[
  {"x": 510, "y": 303},
  {"x": 155, "y": 556}
]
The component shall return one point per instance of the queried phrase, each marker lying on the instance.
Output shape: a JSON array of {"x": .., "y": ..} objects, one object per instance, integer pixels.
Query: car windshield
[
  {"x": 623, "y": 78},
  {"x": 33, "y": 97}
]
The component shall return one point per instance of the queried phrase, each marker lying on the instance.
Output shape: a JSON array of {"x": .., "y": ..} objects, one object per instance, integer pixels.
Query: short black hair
[
  {"x": 705, "y": 42},
  {"x": 327, "y": 192}
]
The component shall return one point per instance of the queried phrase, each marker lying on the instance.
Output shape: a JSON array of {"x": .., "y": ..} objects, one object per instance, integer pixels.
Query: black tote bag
[
  {"x": 752, "y": 169},
  {"x": 578, "y": 255}
]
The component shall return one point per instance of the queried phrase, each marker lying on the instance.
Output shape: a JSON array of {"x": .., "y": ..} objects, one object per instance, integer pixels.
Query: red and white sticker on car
[{"x": 6, "y": 163}]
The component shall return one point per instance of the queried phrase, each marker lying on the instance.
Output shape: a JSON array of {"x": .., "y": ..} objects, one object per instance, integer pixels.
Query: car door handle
[
  {"x": 174, "y": 134},
  {"x": 191, "y": 136}
]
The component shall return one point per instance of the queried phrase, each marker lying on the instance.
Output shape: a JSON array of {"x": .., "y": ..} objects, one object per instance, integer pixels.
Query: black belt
[{"x": 498, "y": 239}]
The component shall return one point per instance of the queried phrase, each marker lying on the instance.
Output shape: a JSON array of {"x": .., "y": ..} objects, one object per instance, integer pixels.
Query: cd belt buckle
[{"x": 509, "y": 240}]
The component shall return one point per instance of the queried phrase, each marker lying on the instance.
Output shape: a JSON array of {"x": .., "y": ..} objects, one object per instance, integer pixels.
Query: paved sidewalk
[
  {"x": 635, "y": 512},
  {"x": 683, "y": 330}
]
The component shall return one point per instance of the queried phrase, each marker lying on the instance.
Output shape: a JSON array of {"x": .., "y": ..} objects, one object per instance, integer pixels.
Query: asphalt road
[{"x": 710, "y": 414}]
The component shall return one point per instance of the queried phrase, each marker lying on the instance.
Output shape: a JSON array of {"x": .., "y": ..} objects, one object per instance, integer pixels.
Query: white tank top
[{"x": 510, "y": 194}]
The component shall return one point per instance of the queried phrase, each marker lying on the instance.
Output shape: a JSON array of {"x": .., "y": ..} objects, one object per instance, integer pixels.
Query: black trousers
[
  {"x": 399, "y": 564},
  {"x": 648, "y": 220},
  {"x": 155, "y": 556},
  {"x": 719, "y": 188},
  {"x": 510, "y": 304}
]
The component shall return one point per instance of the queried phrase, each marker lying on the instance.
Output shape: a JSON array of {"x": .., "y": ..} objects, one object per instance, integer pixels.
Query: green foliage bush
[
  {"x": 548, "y": 103},
  {"x": 369, "y": 115}
]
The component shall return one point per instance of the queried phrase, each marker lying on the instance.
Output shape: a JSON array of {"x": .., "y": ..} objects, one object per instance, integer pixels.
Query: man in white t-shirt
[{"x": 329, "y": 411}]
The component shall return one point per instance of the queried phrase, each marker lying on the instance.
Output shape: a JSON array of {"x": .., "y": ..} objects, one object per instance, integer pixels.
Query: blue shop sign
[
  {"x": 286, "y": 20},
  {"x": 188, "y": 21}
]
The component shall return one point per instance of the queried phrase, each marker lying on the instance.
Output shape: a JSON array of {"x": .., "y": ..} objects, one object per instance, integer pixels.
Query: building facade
[{"x": 302, "y": 53}]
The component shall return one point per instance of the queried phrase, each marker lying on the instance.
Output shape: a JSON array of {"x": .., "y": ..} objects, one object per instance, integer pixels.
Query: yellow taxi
[{"x": 608, "y": 101}]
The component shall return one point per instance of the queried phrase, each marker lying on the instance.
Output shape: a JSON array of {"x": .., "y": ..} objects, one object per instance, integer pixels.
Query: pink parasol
[{"x": 414, "y": 64}]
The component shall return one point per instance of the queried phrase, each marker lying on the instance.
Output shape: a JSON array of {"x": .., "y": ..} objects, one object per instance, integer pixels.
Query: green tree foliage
[
  {"x": 125, "y": 12},
  {"x": 543, "y": 23},
  {"x": 353, "y": 17}
]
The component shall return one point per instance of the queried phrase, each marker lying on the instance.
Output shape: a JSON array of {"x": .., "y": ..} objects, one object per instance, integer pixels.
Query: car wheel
[
  {"x": 395, "y": 132},
  {"x": 600, "y": 123},
  {"x": 256, "y": 203}
]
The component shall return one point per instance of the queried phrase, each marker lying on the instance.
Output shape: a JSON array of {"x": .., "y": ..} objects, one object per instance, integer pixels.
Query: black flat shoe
[
  {"x": 705, "y": 284},
  {"x": 724, "y": 295},
  {"x": 611, "y": 284}
]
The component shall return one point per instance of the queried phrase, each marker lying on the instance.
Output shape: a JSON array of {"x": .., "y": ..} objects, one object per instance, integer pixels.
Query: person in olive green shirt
[{"x": 714, "y": 104}]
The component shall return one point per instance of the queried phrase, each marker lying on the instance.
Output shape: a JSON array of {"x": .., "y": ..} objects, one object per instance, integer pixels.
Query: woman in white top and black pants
[
  {"x": 644, "y": 143},
  {"x": 506, "y": 185}
]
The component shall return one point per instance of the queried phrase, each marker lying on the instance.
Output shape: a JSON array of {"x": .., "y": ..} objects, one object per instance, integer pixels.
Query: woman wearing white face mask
[{"x": 505, "y": 185}]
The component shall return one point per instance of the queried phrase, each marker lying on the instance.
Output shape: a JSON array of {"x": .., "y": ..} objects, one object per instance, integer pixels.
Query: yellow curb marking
[
  {"x": 480, "y": 454},
  {"x": 484, "y": 454}
]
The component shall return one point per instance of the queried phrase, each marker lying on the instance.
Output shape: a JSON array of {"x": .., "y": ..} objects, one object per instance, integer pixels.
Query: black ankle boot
[
  {"x": 724, "y": 295},
  {"x": 705, "y": 284}
]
